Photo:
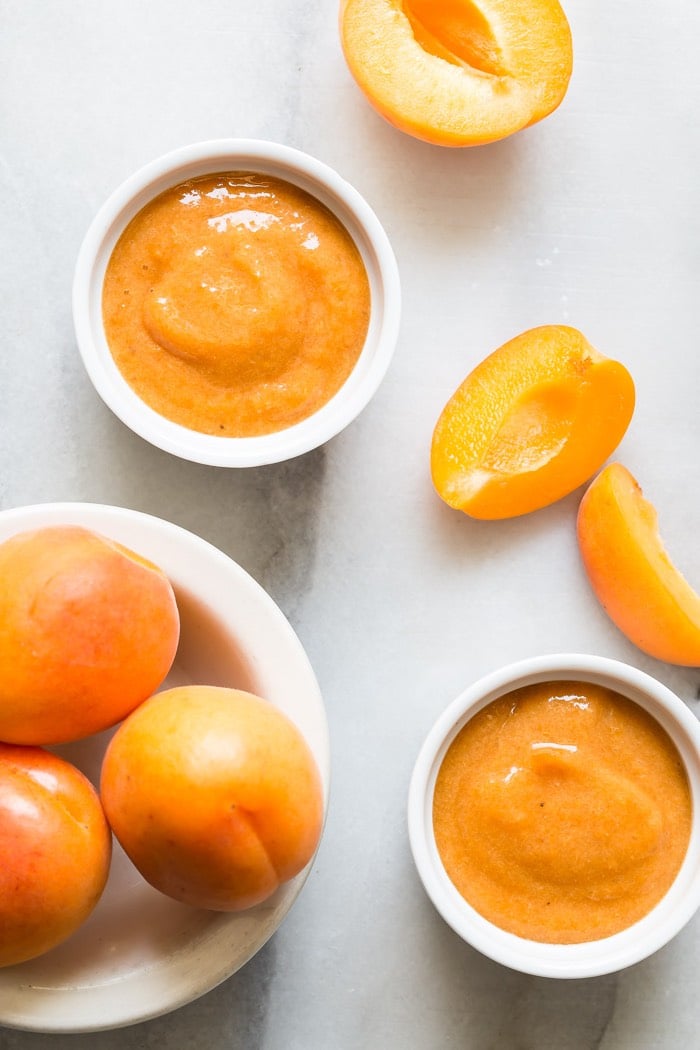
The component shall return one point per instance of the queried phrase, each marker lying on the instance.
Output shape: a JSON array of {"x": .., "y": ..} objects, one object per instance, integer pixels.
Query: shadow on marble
[
  {"x": 265, "y": 518},
  {"x": 461, "y": 539},
  {"x": 495, "y": 1008},
  {"x": 420, "y": 179}
]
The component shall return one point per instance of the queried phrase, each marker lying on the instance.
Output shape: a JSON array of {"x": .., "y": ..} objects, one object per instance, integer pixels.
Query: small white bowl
[
  {"x": 591, "y": 958},
  {"x": 323, "y": 183},
  {"x": 140, "y": 953}
]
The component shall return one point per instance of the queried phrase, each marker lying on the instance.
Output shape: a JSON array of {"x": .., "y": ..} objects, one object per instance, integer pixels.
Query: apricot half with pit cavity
[
  {"x": 531, "y": 423},
  {"x": 641, "y": 590},
  {"x": 458, "y": 72}
]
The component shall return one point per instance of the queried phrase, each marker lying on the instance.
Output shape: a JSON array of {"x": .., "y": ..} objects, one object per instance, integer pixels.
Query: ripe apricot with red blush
[
  {"x": 88, "y": 630},
  {"x": 55, "y": 850},
  {"x": 532, "y": 422},
  {"x": 214, "y": 795}
]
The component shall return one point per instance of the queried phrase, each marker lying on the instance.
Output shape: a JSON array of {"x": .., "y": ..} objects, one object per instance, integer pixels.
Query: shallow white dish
[
  {"x": 141, "y": 954},
  {"x": 330, "y": 189},
  {"x": 592, "y": 958}
]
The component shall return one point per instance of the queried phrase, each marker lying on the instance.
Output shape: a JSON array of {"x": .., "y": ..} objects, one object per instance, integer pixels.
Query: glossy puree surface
[
  {"x": 562, "y": 812},
  {"x": 235, "y": 304}
]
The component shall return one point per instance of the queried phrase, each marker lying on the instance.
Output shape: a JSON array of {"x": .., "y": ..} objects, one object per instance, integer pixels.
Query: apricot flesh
[
  {"x": 55, "y": 850},
  {"x": 88, "y": 630},
  {"x": 458, "y": 72},
  {"x": 631, "y": 573},
  {"x": 532, "y": 422},
  {"x": 214, "y": 795}
]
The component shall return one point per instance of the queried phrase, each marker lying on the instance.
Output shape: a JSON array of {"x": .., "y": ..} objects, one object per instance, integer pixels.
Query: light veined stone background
[{"x": 589, "y": 218}]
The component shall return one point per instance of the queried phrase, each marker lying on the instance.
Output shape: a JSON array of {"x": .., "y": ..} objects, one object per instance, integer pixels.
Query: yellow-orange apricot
[
  {"x": 458, "y": 72},
  {"x": 214, "y": 795},
  {"x": 631, "y": 573},
  {"x": 529, "y": 424},
  {"x": 88, "y": 630},
  {"x": 55, "y": 849}
]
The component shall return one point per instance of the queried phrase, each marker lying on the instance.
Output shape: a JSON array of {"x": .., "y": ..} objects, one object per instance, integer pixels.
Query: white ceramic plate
[{"x": 141, "y": 954}]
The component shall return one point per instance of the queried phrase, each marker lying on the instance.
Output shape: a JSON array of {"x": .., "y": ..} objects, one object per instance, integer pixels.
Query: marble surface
[{"x": 590, "y": 218}]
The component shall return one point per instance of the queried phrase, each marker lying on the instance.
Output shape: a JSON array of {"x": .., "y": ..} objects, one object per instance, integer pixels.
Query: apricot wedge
[
  {"x": 631, "y": 573},
  {"x": 532, "y": 422},
  {"x": 458, "y": 72}
]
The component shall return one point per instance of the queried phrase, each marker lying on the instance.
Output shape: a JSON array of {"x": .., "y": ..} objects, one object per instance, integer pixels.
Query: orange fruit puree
[
  {"x": 235, "y": 304},
  {"x": 562, "y": 812}
]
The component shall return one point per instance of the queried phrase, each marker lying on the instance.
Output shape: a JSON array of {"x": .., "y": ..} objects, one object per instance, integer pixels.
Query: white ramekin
[
  {"x": 321, "y": 182},
  {"x": 591, "y": 958}
]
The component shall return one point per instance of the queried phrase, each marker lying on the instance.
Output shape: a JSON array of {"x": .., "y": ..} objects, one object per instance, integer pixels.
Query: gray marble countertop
[{"x": 589, "y": 218}]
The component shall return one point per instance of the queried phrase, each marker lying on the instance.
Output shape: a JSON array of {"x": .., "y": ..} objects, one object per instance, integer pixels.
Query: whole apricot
[
  {"x": 631, "y": 573},
  {"x": 55, "y": 850},
  {"x": 458, "y": 72},
  {"x": 214, "y": 795},
  {"x": 88, "y": 630},
  {"x": 532, "y": 422}
]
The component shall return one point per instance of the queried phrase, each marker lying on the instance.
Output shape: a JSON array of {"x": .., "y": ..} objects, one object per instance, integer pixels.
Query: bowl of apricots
[{"x": 163, "y": 768}]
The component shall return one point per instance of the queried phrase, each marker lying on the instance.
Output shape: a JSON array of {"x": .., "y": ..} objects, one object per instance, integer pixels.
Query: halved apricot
[
  {"x": 530, "y": 424},
  {"x": 458, "y": 72},
  {"x": 631, "y": 573}
]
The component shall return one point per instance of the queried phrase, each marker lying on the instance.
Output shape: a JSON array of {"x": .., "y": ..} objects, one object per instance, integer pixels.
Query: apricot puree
[
  {"x": 562, "y": 812},
  {"x": 235, "y": 304}
]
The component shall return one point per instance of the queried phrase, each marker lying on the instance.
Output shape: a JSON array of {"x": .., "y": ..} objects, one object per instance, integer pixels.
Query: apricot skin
[
  {"x": 55, "y": 849},
  {"x": 631, "y": 573},
  {"x": 533, "y": 421},
  {"x": 87, "y": 631},
  {"x": 458, "y": 72},
  {"x": 214, "y": 795}
]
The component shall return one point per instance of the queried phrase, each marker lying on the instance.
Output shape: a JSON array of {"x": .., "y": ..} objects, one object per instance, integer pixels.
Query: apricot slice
[
  {"x": 631, "y": 573},
  {"x": 529, "y": 424},
  {"x": 458, "y": 72},
  {"x": 214, "y": 795},
  {"x": 88, "y": 629},
  {"x": 55, "y": 850}
]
